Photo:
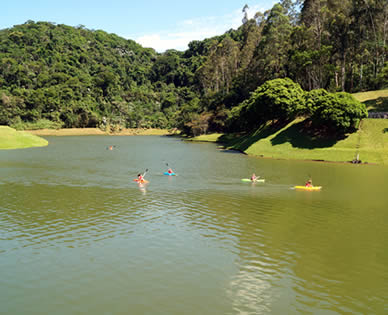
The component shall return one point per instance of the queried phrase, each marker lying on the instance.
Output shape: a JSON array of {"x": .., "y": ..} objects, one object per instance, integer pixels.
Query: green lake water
[{"x": 78, "y": 236}]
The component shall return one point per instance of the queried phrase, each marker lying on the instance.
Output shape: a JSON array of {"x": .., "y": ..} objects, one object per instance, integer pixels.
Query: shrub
[
  {"x": 340, "y": 112},
  {"x": 280, "y": 99}
]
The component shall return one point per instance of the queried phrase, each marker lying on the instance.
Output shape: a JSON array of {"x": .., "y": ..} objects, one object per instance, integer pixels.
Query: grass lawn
[
  {"x": 212, "y": 137},
  {"x": 289, "y": 142},
  {"x": 370, "y": 95},
  {"x": 375, "y": 101},
  {"x": 374, "y": 141},
  {"x": 12, "y": 139}
]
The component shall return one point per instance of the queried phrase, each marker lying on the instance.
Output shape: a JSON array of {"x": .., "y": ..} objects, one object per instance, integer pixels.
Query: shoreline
[
  {"x": 225, "y": 148},
  {"x": 99, "y": 132},
  {"x": 11, "y": 139},
  {"x": 369, "y": 142}
]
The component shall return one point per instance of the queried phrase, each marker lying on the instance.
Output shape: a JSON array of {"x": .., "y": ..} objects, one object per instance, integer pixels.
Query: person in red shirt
[{"x": 309, "y": 183}]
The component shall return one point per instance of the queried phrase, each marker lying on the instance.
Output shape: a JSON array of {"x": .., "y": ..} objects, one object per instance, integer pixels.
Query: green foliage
[
  {"x": 77, "y": 77},
  {"x": 279, "y": 99},
  {"x": 39, "y": 124},
  {"x": 339, "y": 112},
  {"x": 74, "y": 77}
]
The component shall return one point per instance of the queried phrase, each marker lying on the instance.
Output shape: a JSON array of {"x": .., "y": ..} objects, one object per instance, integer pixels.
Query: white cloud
[
  {"x": 195, "y": 29},
  {"x": 162, "y": 42}
]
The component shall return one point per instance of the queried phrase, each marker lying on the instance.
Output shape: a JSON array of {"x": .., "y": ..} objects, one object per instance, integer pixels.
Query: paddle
[{"x": 145, "y": 172}]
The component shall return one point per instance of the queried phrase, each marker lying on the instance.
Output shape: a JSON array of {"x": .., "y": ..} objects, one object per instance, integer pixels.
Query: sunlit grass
[
  {"x": 370, "y": 142},
  {"x": 12, "y": 139},
  {"x": 289, "y": 143},
  {"x": 212, "y": 137},
  {"x": 374, "y": 141},
  {"x": 370, "y": 95}
]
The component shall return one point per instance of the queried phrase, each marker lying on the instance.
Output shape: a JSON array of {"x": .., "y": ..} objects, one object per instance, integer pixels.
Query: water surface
[{"x": 78, "y": 236}]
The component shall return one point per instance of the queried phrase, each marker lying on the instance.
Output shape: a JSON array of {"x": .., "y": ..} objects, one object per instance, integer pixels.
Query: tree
[
  {"x": 279, "y": 99},
  {"x": 338, "y": 112},
  {"x": 245, "y": 11},
  {"x": 270, "y": 60}
]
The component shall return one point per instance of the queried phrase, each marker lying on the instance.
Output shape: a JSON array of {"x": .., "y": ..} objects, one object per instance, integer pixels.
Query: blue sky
[{"x": 158, "y": 24}]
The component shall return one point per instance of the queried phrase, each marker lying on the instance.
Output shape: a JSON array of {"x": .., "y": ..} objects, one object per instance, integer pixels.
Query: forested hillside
[
  {"x": 81, "y": 78},
  {"x": 75, "y": 77}
]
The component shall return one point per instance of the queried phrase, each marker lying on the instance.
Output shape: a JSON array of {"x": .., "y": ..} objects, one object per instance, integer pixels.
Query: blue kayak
[{"x": 169, "y": 174}]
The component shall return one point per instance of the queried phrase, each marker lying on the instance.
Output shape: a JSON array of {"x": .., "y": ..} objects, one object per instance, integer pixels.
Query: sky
[{"x": 161, "y": 25}]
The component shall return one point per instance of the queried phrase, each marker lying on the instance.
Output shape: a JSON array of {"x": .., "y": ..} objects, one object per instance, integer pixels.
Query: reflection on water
[
  {"x": 78, "y": 235},
  {"x": 142, "y": 188}
]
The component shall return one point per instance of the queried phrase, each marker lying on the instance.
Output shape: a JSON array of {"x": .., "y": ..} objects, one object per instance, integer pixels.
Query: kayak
[
  {"x": 308, "y": 188},
  {"x": 143, "y": 181},
  {"x": 259, "y": 180},
  {"x": 169, "y": 174}
]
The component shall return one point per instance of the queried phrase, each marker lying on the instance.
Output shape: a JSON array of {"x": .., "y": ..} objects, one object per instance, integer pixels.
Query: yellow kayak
[{"x": 308, "y": 188}]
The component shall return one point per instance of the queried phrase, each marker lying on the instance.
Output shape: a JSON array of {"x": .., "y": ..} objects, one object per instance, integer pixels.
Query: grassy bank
[
  {"x": 289, "y": 142},
  {"x": 12, "y": 139},
  {"x": 212, "y": 137},
  {"x": 370, "y": 142},
  {"x": 375, "y": 101},
  {"x": 97, "y": 131}
]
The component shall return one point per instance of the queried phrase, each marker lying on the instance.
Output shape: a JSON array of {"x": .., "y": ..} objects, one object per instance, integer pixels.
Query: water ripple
[{"x": 76, "y": 233}]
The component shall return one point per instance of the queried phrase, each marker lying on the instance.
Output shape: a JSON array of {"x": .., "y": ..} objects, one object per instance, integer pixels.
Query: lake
[{"x": 78, "y": 236}]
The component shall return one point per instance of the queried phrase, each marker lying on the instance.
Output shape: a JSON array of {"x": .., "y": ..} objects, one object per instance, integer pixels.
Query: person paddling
[
  {"x": 170, "y": 171},
  {"x": 309, "y": 183},
  {"x": 140, "y": 177},
  {"x": 254, "y": 177}
]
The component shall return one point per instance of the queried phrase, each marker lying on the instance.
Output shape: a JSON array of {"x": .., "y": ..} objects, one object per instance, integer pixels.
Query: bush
[
  {"x": 40, "y": 124},
  {"x": 340, "y": 112},
  {"x": 280, "y": 99}
]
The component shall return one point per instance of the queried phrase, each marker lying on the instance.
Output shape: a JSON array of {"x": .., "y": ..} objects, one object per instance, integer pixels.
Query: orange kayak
[{"x": 143, "y": 181}]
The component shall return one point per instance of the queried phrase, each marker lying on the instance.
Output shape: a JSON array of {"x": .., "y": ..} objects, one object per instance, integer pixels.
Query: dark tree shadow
[
  {"x": 307, "y": 137},
  {"x": 244, "y": 141},
  {"x": 378, "y": 105},
  {"x": 385, "y": 130}
]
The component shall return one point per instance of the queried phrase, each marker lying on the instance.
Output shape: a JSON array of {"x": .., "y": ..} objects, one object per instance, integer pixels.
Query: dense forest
[{"x": 299, "y": 58}]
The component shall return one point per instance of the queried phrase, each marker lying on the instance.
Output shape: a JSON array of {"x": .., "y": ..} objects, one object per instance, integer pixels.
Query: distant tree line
[{"x": 320, "y": 49}]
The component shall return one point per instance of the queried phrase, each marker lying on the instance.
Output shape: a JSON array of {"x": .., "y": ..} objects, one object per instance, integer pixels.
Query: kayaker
[
  {"x": 254, "y": 177},
  {"x": 170, "y": 171},
  {"x": 140, "y": 177},
  {"x": 309, "y": 183}
]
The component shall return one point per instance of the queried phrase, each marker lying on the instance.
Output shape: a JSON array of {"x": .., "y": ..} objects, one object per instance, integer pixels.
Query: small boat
[
  {"x": 308, "y": 188},
  {"x": 257, "y": 180},
  {"x": 169, "y": 174}
]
